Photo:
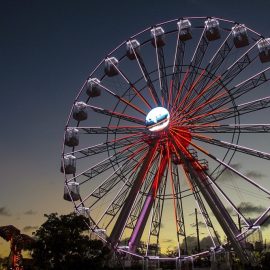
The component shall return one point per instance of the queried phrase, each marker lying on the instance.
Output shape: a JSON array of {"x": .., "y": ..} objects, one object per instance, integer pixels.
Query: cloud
[
  {"x": 253, "y": 174},
  {"x": 200, "y": 224},
  {"x": 248, "y": 208},
  {"x": 4, "y": 212},
  {"x": 30, "y": 212},
  {"x": 236, "y": 166},
  {"x": 228, "y": 174},
  {"x": 30, "y": 228},
  {"x": 168, "y": 241}
]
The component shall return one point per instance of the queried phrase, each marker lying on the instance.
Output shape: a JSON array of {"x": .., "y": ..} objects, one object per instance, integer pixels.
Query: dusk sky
[{"x": 47, "y": 49}]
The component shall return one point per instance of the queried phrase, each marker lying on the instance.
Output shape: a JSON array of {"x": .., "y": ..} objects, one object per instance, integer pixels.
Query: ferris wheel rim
[{"x": 119, "y": 120}]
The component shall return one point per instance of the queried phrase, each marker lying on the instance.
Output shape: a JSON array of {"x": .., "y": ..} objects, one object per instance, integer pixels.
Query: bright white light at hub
[{"x": 157, "y": 119}]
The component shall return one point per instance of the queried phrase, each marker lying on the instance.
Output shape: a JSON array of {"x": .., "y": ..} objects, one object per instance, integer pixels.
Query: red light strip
[
  {"x": 142, "y": 97},
  {"x": 132, "y": 105},
  {"x": 187, "y": 95},
  {"x": 152, "y": 96},
  {"x": 206, "y": 103},
  {"x": 201, "y": 93},
  {"x": 181, "y": 88}
]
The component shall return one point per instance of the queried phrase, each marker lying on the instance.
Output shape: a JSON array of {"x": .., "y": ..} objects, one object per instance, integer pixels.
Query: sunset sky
[{"x": 47, "y": 49}]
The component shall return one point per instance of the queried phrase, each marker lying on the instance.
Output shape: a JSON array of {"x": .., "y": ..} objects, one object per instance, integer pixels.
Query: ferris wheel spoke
[
  {"x": 250, "y": 84},
  {"x": 241, "y": 109},
  {"x": 192, "y": 102},
  {"x": 214, "y": 64},
  {"x": 202, "y": 117},
  {"x": 203, "y": 106},
  {"x": 240, "y": 64},
  {"x": 187, "y": 94},
  {"x": 116, "y": 115},
  {"x": 163, "y": 77},
  {"x": 240, "y": 174},
  {"x": 235, "y": 69},
  {"x": 107, "y": 163},
  {"x": 115, "y": 206},
  {"x": 114, "y": 130},
  {"x": 146, "y": 75},
  {"x": 119, "y": 199},
  {"x": 149, "y": 82},
  {"x": 197, "y": 58},
  {"x": 132, "y": 86},
  {"x": 120, "y": 174},
  {"x": 177, "y": 69},
  {"x": 237, "y": 147},
  {"x": 180, "y": 91},
  {"x": 226, "y": 165},
  {"x": 194, "y": 65},
  {"x": 247, "y": 85},
  {"x": 233, "y": 128},
  {"x": 220, "y": 55},
  {"x": 199, "y": 104},
  {"x": 104, "y": 147},
  {"x": 128, "y": 103}
]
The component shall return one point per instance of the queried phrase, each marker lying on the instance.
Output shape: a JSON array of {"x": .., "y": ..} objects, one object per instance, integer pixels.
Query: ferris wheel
[{"x": 174, "y": 119}]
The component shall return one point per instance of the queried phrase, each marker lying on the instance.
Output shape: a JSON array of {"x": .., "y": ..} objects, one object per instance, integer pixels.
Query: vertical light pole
[{"x": 197, "y": 231}]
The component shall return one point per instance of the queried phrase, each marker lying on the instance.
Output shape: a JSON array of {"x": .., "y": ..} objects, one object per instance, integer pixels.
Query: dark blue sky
[{"x": 47, "y": 49}]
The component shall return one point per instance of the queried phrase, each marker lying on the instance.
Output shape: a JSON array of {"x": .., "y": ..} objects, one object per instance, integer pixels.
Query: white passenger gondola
[
  {"x": 72, "y": 191},
  {"x": 212, "y": 31},
  {"x": 80, "y": 111},
  {"x": 240, "y": 36},
  {"x": 93, "y": 88},
  {"x": 69, "y": 164},
  {"x": 184, "y": 28},
  {"x": 133, "y": 47},
  {"x": 82, "y": 211},
  {"x": 158, "y": 37},
  {"x": 72, "y": 137},
  {"x": 264, "y": 50},
  {"x": 111, "y": 64}
]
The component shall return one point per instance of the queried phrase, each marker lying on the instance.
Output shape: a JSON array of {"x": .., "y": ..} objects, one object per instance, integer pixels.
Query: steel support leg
[
  {"x": 217, "y": 207},
  {"x": 148, "y": 203},
  {"x": 124, "y": 214}
]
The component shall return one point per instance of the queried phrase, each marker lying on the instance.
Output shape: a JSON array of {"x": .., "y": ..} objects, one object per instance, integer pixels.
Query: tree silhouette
[{"x": 63, "y": 242}]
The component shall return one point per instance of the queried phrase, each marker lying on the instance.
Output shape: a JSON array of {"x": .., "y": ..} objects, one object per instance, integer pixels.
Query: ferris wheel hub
[{"x": 157, "y": 119}]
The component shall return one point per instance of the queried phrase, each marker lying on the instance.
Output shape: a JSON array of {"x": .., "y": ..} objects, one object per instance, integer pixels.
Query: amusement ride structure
[
  {"x": 18, "y": 242},
  {"x": 174, "y": 118}
]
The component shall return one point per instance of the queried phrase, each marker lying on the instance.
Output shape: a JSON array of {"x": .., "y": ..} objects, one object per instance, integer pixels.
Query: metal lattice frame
[{"x": 128, "y": 176}]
